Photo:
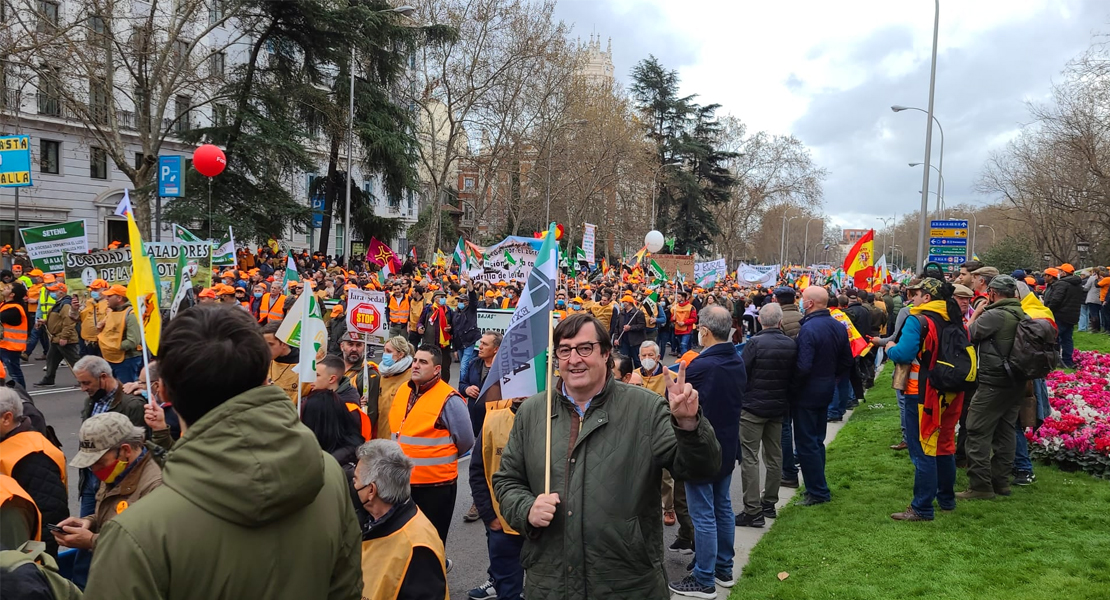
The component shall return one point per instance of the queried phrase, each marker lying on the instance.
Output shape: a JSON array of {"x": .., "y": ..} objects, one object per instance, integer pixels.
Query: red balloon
[{"x": 209, "y": 160}]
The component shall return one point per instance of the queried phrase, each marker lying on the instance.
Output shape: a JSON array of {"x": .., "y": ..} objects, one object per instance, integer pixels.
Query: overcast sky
[{"x": 828, "y": 73}]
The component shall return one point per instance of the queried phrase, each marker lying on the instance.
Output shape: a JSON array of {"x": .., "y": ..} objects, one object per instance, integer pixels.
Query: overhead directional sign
[
  {"x": 171, "y": 181},
  {"x": 15, "y": 161},
  {"x": 948, "y": 241}
]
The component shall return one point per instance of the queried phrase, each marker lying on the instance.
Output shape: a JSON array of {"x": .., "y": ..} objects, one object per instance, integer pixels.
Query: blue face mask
[
  {"x": 575, "y": 306},
  {"x": 387, "y": 360},
  {"x": 560, "y": 303},
  {"x": 57, "y": 295},
  {"x": 96, "y": 295},
  {"x": 258, "y": 294},
  {"x": 442, "y": 301},
  {"x": 145, "y": 394},
  {"x": 462, "y": 305}
]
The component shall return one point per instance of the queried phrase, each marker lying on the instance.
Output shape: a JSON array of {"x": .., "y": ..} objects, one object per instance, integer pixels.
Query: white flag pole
[
  {"x": 365, "y": 373},
  {"x": 547, "y": 378},
  {"x": 146, "y": 359},
  {"x": 300, "y": 358}
]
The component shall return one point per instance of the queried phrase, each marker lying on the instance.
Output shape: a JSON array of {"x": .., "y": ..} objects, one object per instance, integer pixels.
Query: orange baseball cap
[
  {"x": 98, "y": 284},
  {"x": 223, "y": 289},
  {"x": 627, "y": 298},
  {"x": 207, "y": 293},
  {"x": 116, "y": 290},
  {"x": 48, "y": 278},
  {"x": 1054, "y": 272},
  {"x": 57, "y": 287},
  {"x": 35, "y": 273},
  {"x": 1067, "y": 268},
  {"x": 337, "y": 311}
]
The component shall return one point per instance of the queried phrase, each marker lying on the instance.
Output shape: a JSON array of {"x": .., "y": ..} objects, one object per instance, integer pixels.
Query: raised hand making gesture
[{"x": 683, "y": 399}]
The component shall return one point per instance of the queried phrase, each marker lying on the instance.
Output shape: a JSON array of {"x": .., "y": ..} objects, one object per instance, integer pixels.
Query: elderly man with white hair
[
  {"x": 402, "y": 555},
  {"x": 769, "y": 358}
]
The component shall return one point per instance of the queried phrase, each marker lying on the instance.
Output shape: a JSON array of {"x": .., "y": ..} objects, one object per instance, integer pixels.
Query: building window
[
  {"x": 8, "y": 98},
  {"x": 215, "y": 11},
  {"x": 138, "y": 160},
  {"x": 48, "y": 16},
  {"x": 221, "y": 115},
  {"x": 98, "y": 100},
  {"x": 49, "y": 155},
  {"x": 181, "y": 109},
  {"x": 368, "y": 189},
  {"x": 218, "y": 63},
  {"x": 98, "y": 163},
  {"x": 410, "y": 195},
  {"x": 97, "y": 26},
  {"x": 49, "y": 96},
  {"x": 468, "y": 183},
  {"x": 180, "y": 52}
]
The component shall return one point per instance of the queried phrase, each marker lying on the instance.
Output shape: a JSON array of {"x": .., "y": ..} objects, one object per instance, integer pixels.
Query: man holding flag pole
[{"x": 605, "y": 435}]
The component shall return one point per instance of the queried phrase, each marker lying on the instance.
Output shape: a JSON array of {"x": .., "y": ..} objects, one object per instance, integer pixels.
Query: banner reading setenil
[
  {"x": 114, "y": 266},
  {"x": 47, "y": 245}
]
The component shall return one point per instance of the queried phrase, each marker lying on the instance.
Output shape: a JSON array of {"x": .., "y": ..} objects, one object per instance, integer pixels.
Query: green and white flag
[
  {"x": 307, "y": 333},
  {"x": 579, "y": 255},
  {"x": 509, "y": 260},
  {"x": 656, "y": 271},
  {"x": 520, "y": 366},
  {"x": 184, "y": 236},
  {"x": 223, "y": 254},
  {"x": 46, "y": 245},
  {"x": 291, "y": 274},
  {"x": 182, "y": 286}
]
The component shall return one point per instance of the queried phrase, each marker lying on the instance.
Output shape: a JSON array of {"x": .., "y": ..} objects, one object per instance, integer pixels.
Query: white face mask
[{"x": 649, "y": 364}]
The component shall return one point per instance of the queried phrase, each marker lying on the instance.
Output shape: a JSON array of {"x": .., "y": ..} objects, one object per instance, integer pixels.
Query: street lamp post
[
  {"x": 940, "y": 177},
  {"x": 974, "y": 235},
  {"x": 940, "y": 170},
  {"x": 992, "y": 232},
  {"x": 653, "y": 190},
  {"x": 782, "y": 246},
  {"x": 1047, "y": 257},
  {"x": 805, "y": 244},
  {"x": 885, "y": 224},
  {"x": 1083, "y": 248},
  {"x": 404, "y": 11},
  {"x": 898, "y": 249}
]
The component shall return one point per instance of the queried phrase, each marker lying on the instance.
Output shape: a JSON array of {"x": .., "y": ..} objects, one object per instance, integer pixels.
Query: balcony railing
[{"x": 11, "y": 100}]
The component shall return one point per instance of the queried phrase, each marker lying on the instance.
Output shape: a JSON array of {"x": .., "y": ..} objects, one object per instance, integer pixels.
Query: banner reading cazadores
[
  {"x": 47, "y": 244},
  {"x": 114, "y": 266}
]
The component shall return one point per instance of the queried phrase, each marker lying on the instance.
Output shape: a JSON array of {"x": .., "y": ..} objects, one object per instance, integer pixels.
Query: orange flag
[{"x": 860, "y": 262}]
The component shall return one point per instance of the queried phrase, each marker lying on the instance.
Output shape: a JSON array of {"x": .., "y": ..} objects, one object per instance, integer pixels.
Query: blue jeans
[
  {"x": 504, "y": 563},
  {"x": 842, "y": 394},
  {"x": 128, "y": 370},
  {"x": 1021, "y": 450},
  {"x": 714, "y": 529},
  {"x": 11, "y": 365},
  {"x": 1083, "y": 317},
  {"x": 810, "y": 425},
  {"x": 466, "y": 356},
  {"x": 1067, "y": 347},
  {"x": 87, "y": 497},
  {"x": 1040, "y": 391},
  {"x": 664, "y": 338},
  {"x": 683, "y": 342},
  {"x": 934, "y": 477},
  {"x": 37, "y": 337},
  {"x": 789, "y": 469}
]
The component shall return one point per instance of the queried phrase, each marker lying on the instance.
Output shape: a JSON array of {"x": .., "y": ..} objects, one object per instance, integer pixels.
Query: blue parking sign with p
[
  {"x": 171, "y": 181},
  {"x": 15, "y": 161}
]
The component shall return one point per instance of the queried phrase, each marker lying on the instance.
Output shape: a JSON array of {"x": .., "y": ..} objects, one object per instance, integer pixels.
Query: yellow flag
[{"x": 142, "y": 287}]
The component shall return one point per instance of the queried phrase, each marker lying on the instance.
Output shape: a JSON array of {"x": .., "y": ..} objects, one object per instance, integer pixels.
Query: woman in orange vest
[{"x": 13, "y": 318}]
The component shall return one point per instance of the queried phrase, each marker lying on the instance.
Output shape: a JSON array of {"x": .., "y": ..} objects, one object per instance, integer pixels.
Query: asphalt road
[{"x": 466, "y": 542}]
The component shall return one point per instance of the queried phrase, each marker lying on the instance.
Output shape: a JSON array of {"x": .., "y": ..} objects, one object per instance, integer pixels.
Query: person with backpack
[
  {"x": 993, "y": 412},
  {"x": 933, "y": 335}
]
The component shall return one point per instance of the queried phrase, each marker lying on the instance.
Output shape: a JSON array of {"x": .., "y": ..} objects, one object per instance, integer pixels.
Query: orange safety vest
[
  {"x": 385, "y": 560},
  {"x": 398, "y": 312},
  {"x": 271, "y": 311},
  {"x": 434, "y": 455},
  {"x": 15, "y": 336},
  {"x": 18, "y": 446},
  {"x": 366, "y": 428},
  {"x": 10, "y": 488}
]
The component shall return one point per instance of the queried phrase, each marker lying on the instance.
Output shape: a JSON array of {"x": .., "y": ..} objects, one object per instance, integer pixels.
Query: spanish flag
[
  {"x": 860, "y": 262},
  {"x": 142, "y": 287},
  {"x": 859, "y": 346}
]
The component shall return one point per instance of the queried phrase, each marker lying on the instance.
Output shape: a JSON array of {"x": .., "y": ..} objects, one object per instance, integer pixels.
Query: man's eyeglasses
[{"x": 583, "y": 350}]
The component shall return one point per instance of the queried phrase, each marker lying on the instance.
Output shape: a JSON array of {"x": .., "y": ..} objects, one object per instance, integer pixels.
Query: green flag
[
  {"x": 670, "y": 244},
  {"x": 509, "y": 259},
  {"x": 656, "y": 271},
  {"x": 180, "y": 234},
  {"x": 290, "y": 273}
]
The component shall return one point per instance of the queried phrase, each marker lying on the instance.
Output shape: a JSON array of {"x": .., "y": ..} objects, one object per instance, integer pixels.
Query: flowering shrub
[{"x": 1077, "y": 432}]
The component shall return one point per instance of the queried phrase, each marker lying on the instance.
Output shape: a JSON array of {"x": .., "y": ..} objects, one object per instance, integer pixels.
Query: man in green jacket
[
  {"x": 250, "y": 507},
  {"x": 597, "y": 533},
  {"x": 994, "y": 408}
]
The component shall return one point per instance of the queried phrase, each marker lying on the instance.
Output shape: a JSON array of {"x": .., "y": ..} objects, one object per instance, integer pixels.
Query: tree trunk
[{"x": 331, "y": 190}]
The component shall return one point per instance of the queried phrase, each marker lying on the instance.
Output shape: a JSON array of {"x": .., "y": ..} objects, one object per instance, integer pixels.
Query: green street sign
[{"x": 948, "y": 250}]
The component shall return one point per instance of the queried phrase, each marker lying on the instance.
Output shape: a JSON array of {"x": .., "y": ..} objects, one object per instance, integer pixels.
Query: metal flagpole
[{"x": 146, "y": 352}]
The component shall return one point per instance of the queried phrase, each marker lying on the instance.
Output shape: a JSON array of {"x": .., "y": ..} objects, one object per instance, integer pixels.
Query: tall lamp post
[
  {"x": 898, "y": 249},
  {"x": 1083, "y": 248},
  {"x": 885, "y": 224},
  {"x": 940, "y": 170},
  {"x": 404, "y": 11},
  {"x": 805, "y": 244},
  {"x": 992, "y": 232},
  {"x": 782, "y": 244},
  {"x": 924, "y": 220},
  {"x": 941, "y": 206},
  {"x": 653, "y": 190}
]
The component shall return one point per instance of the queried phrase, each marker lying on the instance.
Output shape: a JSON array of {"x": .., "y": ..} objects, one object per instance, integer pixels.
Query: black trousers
[{"x": 437, "y": 502}]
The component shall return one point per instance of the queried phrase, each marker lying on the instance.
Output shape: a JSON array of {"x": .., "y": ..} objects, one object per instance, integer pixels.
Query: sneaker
[
  {"x": 45, "y": 383},
  {"x": 853, "y": 405},
  {"x": 789, "y": 483},
  {"x": 681, "y": 546},
  {"x": 810, "y": 500},
  {"x": 724, "y": 580},
  {"x": 909, "y": 515},
  {"x": 689, "y": 587},
  {"x": 483, "y": 591},
  {"x": 769, "y": 511},
  {"x": 471, "y": 515},
  {"x": 746, "y": 520},
  {"x": 44, "y": 368},
  {"x": 974, "y": 495},
  {"x": 25, "y": 357},
  {"x": 834, "y": 419},
  {"x": 1024, "y": 478},
  {"x": 449, "y": 565},
  {"x": 669, "y": 518}
]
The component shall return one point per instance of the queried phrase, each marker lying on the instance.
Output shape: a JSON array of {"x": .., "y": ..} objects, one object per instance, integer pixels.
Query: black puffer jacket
[
  {"x": 1065, "y": 298},
  {"x": 38, "y": 475},
  {"x": 464, "y": 324},
  {"x": 769, "y": 357},
  {"x": 860, "y": 317}
]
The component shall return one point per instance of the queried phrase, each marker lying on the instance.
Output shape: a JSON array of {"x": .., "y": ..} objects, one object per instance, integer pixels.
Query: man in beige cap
[
  {"x": 113, "y": 449},
  {"x": 963, "y": 296},
  {"x": 980, "y": 279}
]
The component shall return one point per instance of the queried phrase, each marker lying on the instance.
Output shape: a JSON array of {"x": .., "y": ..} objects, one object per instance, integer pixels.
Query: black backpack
[
  {"x": 1035, "y": 352},
  {"x": 954, "y": 365}
]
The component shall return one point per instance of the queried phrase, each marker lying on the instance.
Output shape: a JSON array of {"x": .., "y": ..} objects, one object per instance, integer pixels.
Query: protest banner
[
  {"x": 706, "y": 273},
  {"x": 114, "y": 266},
  {"x": 511, "y": 259},
  {"x": 753, "y": 275},
  {"x": 47, "y": 245},
  {"x": 589, "y": 240},
  {"x": 672, "y": 263},
  {"x": 366, "y": 315},
  {"x": 494, "y": 319}
]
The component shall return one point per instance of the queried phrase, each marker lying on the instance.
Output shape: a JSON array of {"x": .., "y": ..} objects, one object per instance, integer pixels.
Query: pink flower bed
[{"x": 1077, "y": 432}]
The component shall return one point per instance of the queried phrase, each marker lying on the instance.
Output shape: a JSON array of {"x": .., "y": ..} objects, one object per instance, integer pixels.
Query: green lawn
[
  {"x": 1049, "y": 540},
  {"x": 1092, "y": 341}
]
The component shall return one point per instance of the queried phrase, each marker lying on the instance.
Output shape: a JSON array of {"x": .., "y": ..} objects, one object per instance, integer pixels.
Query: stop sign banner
[{"x": 366, "y": 315}]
